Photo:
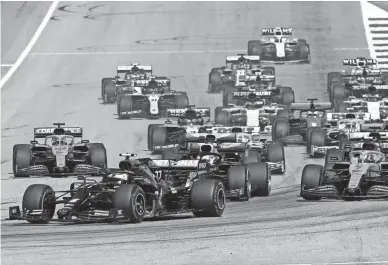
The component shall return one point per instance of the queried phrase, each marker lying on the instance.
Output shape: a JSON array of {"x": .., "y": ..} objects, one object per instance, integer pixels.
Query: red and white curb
[{"x": 376, "y": 30}]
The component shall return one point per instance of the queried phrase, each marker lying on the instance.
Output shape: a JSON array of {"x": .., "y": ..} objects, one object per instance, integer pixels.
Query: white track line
[
  {"x": 29, "y": 46},
  {"x": 376, "y": 30}
]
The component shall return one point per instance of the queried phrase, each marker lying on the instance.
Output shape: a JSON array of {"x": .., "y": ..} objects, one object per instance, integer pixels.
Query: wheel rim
[
  {"x": 221, "y": 199},
  {"x": 140, "y": 204}
]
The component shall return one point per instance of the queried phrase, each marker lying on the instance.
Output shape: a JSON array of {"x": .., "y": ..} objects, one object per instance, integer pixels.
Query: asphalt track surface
[{"x": 60, "y": 81}]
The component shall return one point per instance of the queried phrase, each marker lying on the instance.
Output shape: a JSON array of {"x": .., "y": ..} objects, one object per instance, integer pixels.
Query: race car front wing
[{"x": 331, "y": 192}]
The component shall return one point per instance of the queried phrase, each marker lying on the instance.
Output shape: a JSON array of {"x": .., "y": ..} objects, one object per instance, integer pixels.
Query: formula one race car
[
  {"x": 150, "y": 98},
  {"x": 364, "y": 75},
  {"x": 139, "y": 189},
  {"x": 339, "y": 127},
  {"x": 304, "y": 126},
  {"x": 251, "y": 114},
  {"x": 59, "y": 155},
  {"x": 125, "y": 74},
  {"x": 362, "y": 176},
  {"x": 239, "y": 69},
  {"x": 241, "y": 169},
  {"x": 280, "y": 47}
]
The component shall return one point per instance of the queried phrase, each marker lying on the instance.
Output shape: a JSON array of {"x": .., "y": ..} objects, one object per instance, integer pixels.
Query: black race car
[
  {"x": 59, "y": 154},
  {"x": 139, "y": 189}
]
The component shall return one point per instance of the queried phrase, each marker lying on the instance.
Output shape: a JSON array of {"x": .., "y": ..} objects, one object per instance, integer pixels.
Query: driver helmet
[{"x": 135, "y": 69}]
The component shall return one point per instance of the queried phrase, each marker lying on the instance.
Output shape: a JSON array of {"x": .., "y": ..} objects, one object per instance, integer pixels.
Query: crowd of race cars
[{"x": 202, "y": 163}]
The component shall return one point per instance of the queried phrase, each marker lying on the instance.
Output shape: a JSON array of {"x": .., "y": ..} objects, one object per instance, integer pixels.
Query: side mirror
[
  {"x": 82, "y": 178},
  {"x": 85, "y": 141},
  {"x": 33, "y": 142}
]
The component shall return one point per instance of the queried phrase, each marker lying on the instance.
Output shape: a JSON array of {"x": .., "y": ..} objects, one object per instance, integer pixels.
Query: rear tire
[
  {"x": 158, "y": 138},
  {"x": 98, "y": 156},
  {"x": 260, "y": 179},
  {"x": 181, "y": 101},
  {"x": 208, "y": 196},
  {"x": 254, "y": 47},
  {"x": 280, "y": 129},
  {"x": 316, "y": 137},
  {"x": 124, "y": 105},
  {"x": 21, "y": 159},
  {"x": 223, "y": 118},
  {"x": 214, "y": 81},
  {"x": 149, "y": 135},
  {"x": 108, "y": 90},
  {"x": 131, "y": 199},
  {"x": 39, "y": 197}
]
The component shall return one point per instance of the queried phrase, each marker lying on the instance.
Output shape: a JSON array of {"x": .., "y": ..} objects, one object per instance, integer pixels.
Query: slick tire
[
  {"x": 108, "y": 90},
  {"x": 260, "y": 179},
  {"x": 332, "y": 77},
  {"x": 283, "y": 113},
  {"x": 21, "y": 159},
  {"x": 338, "y": 94},
  {"x": 98, "y": 156},
  {"x": 254, "y": 47},
  {"x": 131, "y": 199},
  {"x": 275, "y": 154},
  {"x": 341, "y": 107},
  {"x": 214, "y": 81},
  {"x": 304, "y": 51},
  {"x": 181, "y": 101},
  {"x": 280, "y": 129},
  {"x": 124, "y": 104},
  {"x": 253, "y": 156},
  {"x": 39, "y": 197},
  {"x": 149, "y": 135},
  {"x": 311, "y": 178},
  {"x": 238, "y": 177},
  {"x": 316, "y": 137},
  {"x": 208, "y": 198},
  {"x": 287, "y": 98},
  {"x": 228, "y": 90},
  {"x": 158, "y": 137}
]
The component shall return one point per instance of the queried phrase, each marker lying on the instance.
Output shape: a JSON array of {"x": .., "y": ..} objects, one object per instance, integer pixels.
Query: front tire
[
  {"x": 39, "y": 197},
  {"x": 131, "y": 199}
]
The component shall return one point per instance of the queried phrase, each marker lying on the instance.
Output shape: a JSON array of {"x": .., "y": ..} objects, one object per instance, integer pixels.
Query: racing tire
[
  {"x": 304, "y": 51},
  {"x": 215, "y": 81},
  {"x": 254, "y": 47},
  {"x": 301, "y": 41},
  {"x": 228, "y": 95},
  {"x": 316, "y": 137},
  {"x": 98, "y": 156},
  {"x": 158, "y": 137},
  {"x": 108, "y": 90},
  {"x": 343, "y": 142},
  {"x": 131, "y": 199},
  {"x": 217, "y": 111},
  {"x": 237, "y": 177},
  {"x": 312, "y": 176},
  {"x": 149, "y": 134},
  {"x": 275, "y": 154},
  {"x": 280, "y": 129},
  {"x": 287, "y": 98},
  {"x": 21, "y": 159},
  {"x": 124, "y": 104},
  {"x": 338, "y": 93},
  {"x": 208, "y": 198},
  {"x": 260, "y": 179},
  {"x": 181, "y": 101},
  {"x": 39, "y": 197},
  {"x": 384, "y": 77},
  {"x": 223, "y": 118},
  {"x": 332, "y": 77}
]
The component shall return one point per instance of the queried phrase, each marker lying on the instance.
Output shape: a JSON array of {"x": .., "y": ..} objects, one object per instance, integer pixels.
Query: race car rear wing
[
  {"x": 236, "y": 129},
  {"x": 361, "y": 62},
  {"x": 252, "y": 95},
  {"x": 210, "y": 137},
  {"x": 368, "y": 135},
  {"x": 335, "y": 116},
  {"x": 233, "y": 59},
  {"x": 365, "y": 87},
  {"x": 128, "y": 68},
  {"x": 159, "y": 81},
  {"x": 181, "y": 164},
  {"x": 181, "y": 112},
  {"x": 273, "y": 31},
  {"x": 373, "y": 127},
  {"x": 311, "y": 106},
  {"x": 43, "y": 132}
]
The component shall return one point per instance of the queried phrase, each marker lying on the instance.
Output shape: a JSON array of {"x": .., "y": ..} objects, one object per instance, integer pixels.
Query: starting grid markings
[{"x": 376, "y": 29}]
